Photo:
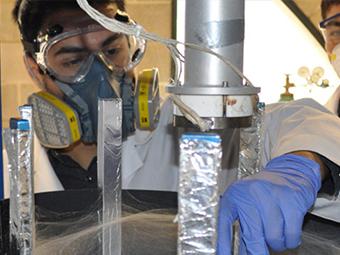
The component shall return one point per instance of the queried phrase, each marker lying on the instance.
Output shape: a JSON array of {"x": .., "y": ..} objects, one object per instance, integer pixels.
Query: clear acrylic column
[
  {"x": 19, "y": 143},
  {"x": 109, "y": 172},
  {"x": 200, "y": 165}
]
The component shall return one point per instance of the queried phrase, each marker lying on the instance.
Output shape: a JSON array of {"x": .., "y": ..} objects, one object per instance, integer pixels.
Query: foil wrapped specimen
[
  {"x": 251, "y": 144},
  {"x": 109, "y": 172},
  {"x": 26, "y": 113},
  {"x": 18, "y": 140},
  {"x": 200, "y": 165},
  {"x": 251, "y": 139}
]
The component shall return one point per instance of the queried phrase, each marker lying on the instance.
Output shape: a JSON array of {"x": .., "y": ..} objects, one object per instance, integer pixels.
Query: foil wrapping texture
[
  {"x": 251, "y": 144},
  {"x": 19, "y": 144},
  {"x": 200, "y": 165},
  {"x": 109, "y": 172},
  {"x": 251, "y": 140}
]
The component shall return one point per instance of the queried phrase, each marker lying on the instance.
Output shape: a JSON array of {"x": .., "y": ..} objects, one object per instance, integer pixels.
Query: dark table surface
[{"x": 147, "y": 226}]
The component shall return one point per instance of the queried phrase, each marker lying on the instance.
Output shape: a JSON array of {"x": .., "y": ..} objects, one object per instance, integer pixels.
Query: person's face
[
  {"x": 66, "y": 56},
  {"x": 331, "y": 41}
]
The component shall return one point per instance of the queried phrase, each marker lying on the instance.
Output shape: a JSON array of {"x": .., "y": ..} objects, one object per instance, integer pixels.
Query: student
[{"x": 61, "y": 42}]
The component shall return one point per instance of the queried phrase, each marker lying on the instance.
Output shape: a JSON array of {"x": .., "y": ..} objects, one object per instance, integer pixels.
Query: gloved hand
[{"x": 270, "y": 206}]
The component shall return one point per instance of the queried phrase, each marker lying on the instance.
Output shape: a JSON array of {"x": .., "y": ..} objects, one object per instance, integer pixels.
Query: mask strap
[
  {"x": 127, "y": 94},
  {"x": 33, "y": 75},
  {"x": 81, "y": 107}
]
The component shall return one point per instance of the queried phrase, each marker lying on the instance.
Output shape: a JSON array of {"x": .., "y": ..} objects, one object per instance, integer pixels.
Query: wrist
[
  {"x": 324, "y": 172},
  {"x": 296, "y": 166}
]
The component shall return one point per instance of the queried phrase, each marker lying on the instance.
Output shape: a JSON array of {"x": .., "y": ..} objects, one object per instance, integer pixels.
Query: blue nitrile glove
[{"x": 270, "y": 206}]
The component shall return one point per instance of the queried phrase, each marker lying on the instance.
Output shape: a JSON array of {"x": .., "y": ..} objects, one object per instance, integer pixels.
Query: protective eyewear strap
[{"x": 325, "y": 22}]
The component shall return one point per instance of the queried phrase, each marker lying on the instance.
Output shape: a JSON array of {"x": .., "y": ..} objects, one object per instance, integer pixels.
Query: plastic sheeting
[{"x": 67, "y": 223}]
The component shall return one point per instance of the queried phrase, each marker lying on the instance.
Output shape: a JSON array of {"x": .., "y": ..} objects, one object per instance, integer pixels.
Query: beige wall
[
  {"x": 16, "y": 85},
  {"x": 311, "y": 9}
]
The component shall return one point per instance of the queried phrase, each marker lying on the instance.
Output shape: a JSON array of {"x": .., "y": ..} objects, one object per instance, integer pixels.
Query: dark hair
[
  {"x": 326, "y": 5},
  {"x": 30, "y": 15}
]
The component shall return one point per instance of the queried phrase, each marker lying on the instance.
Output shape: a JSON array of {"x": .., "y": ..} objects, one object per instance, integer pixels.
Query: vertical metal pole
[
  {"x": 200, "y": 165},
  {"x": 18, "y": 141},
  {"x": 109, "y": 172},
  {"x": 218, "y": 25}
]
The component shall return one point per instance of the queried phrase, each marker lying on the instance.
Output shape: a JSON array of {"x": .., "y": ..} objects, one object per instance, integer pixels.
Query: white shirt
[{"x": 304, "y": 125}]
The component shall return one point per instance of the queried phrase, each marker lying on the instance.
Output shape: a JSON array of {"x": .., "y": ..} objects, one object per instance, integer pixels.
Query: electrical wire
[
  {"x": 138, "y": 31},
  {"x": 172, "y": 44},
  {"x": 190, "y": 114}
]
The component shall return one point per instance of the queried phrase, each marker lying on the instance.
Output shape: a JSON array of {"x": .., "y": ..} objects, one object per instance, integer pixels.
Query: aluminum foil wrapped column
[
  {"x": 250, "y": 156},
  {"x": 200, "y": 165},
  {"x": 18, "y": 140},
  {"x": 251, "y": 144},
  {"x": 26, "y": 113},
  {"x": 109, "y": 172}
]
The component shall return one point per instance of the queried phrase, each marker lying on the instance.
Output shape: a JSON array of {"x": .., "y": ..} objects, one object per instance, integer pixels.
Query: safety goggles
[
  {"x": 331, "y": 28},
  {"x": 68, "y": 56}
]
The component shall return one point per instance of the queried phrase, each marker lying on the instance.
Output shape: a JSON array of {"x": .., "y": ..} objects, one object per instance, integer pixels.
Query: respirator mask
[
  {"x": 331, "y": 31},
  {"x": 88, "y": 63}
]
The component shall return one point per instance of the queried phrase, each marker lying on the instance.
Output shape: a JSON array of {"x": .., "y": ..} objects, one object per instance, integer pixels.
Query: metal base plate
[{"x": 212, "y": 90}]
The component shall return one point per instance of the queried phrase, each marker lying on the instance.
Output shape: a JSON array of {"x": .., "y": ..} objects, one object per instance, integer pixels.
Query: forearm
[{"x": 324, "y": 172}]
